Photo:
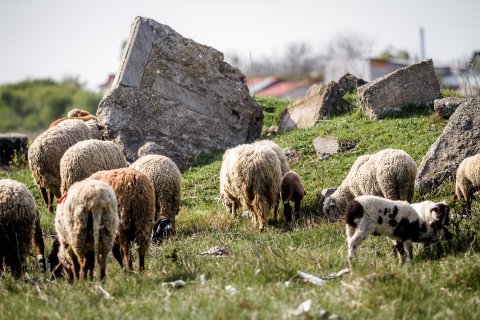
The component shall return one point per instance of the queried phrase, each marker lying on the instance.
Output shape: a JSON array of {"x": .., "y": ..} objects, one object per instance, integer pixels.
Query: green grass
[{"x": 442, "y": 282}]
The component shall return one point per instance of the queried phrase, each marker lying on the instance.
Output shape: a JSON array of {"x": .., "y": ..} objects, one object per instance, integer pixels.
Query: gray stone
[
  {"x": 292, "y": 155},
  {"x": 325, "y": 147},
  {"x": 460, "y": 139},
  {"x": 348, "y": 83},
  {"x": 446, "y": 107},
  {"x": 415, "y": 85},
  {"x": 13, "y": 145},
  {"x": 320, "y": 102},
  {"x": 176, "y": 97},
  {"x": 322, "y": 195}
]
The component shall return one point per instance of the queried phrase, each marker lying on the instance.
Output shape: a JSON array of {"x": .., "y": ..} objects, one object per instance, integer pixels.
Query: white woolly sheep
[
  {"x": 292, "y": 190},
  {"x": 48, "y": 148},
  {"x": 136, "y": 209},
  {"x": 253, "y": 177},
  {"x": 467, "y": 180},
  {"x": 87, "y": 157},
  {"x": 389, "y": 173},
  {"x": 230, "y": 199},
  {"x": 86, "y": 223},
  {"x": 19, "y": 225},
  {"x": 167, "y": 180},
  {"x": 281, "y": 156},
  {"x": 398, "y": 220}
]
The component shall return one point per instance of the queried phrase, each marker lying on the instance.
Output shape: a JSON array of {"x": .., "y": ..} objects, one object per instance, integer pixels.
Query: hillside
[{"x": 442, "y": 282}]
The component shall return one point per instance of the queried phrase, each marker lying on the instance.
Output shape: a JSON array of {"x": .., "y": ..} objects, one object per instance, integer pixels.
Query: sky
[{"x": 59, "y": 39}]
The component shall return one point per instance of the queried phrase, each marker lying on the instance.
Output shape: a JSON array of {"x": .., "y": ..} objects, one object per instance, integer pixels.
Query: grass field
[{"x": 442, "y": 282}]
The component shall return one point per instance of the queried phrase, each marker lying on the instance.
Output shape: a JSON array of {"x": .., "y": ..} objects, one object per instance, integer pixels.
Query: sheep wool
[
  {"x": 17, "y": 223},
  {"x": 389, "y": 173},
  {"x": 48, "y": 148},
  {"x": 253, "y": 177},
  {"x": 467, "y": 180},
  {"x": 167, "y": 181},
  {"x": 136, "y": 209},
  {"x": 86, "y": 222},
  {"x": 87, "y": 157},
  {"x": 399, "y": 220},
  {"x": 281, "y": 156}
]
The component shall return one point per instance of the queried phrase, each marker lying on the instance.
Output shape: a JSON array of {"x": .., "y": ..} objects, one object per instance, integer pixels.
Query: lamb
[
  {"x": 86, "y": 222},
  {"x": 87, "y": 157},
  {"x": 281, "y": 156},
  {"x": 292, "y": 189},
  {"x": 167, "y": 181},
  {"x": 398, "y": 220},
  {"x": 19, "y": 224},
  {"x": 389, "y": 173},
  {"x": 136, "y": 208},
  {"x": 252, "y": 178},
  {"x": 467, "y": 180},
  {"x": 48, "y": 148}
]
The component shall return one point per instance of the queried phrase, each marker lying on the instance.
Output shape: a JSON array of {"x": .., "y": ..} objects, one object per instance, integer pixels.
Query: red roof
[
  {"x": 108, "y": 83},
  {"x": 282, "y": 88}
]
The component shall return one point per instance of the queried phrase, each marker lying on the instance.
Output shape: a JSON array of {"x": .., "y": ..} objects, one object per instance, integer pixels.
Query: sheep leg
[
  {"x": 39, "y": 244},
  {"x": 275, "y": 209},
  {"x": 45, "y": 194},
  {"x": 399, "y": 249},
  {"x": 287, "y": 210},
  {"x": 125, "y": 247},
  {"x": 354, "y": 242},
  {"x": 297, "y": 209},
  {"x": 51, "y": 198},
  {"x": 408, "y": 248},
  {"x": 141, "y": 256},
  {"x": 102, "y": 262},
  {"x": 117, "y": 253},
  {"x": 14, "y": 262},
  {"x": 90, "y": 264},
  {"x": 83, "y": 269},
  {"x": 53, "y": 257}
]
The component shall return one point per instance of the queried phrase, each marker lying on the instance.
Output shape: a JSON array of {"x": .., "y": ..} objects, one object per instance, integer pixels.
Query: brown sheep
[
  {"x": 292, "y": 189},
  {"x": 136, "y": 208}
]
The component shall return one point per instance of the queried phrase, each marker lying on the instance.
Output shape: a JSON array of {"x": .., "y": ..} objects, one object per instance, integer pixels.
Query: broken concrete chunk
[{"x": 176, "y": 97}]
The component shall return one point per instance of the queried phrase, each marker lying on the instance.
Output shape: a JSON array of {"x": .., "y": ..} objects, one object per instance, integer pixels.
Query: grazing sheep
[
  {"x": 292, "y": 189},
  {"x": 19, "y": 224},
  {"x": 467, "y": 181},
  {"x": 87, "y": 157},
  {"x": 398, "y": 220},
  {"x": 83, "y": 118},
  {"x": 86, "y": 223},
  {"x": 230, "y": 199},
  {"x": 253, "y": 178},
  {"x": 136, "y": 209},
  {"x": 167, "y": 180},
  {"x": 162, "y": 229},
  {"x": 281, "y": 156},
  {"x": 389, "y": 173},
  {"x": 48, "y": 148}
]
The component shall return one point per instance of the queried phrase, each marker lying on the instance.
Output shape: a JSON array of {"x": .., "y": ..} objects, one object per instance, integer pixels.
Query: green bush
[{"x": 32, "y": 105}]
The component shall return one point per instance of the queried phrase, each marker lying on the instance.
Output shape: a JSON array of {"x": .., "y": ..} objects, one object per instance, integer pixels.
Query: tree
[{"x": 349, "y": 46}]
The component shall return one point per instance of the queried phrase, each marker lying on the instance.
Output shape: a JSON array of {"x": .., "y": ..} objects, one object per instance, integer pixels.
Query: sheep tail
[{"x": 96, "y": 232}]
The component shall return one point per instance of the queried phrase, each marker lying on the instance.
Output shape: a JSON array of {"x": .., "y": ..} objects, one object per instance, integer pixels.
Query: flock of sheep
[{"x": 105, "y": 203}]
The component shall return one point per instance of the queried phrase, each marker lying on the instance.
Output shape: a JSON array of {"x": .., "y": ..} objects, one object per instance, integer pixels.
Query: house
[
  {"x": 278, "y": 88},
  {"x": 366, "y": 69}
]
